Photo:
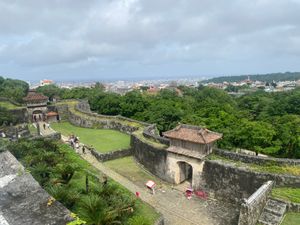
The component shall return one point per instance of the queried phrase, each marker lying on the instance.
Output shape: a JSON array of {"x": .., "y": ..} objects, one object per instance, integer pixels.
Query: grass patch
[
  {"x": 138, "y": 133},
  {"x": 128, "y": 168},
  {"x": 266, "y": 168},
  {"x": 287, "y": 193},
  {"x": 32, "y": 129},
  {"x": 8, "y": 105},
  {"x": 102, "y": 140},
  {"x": 291, "y": 219}
]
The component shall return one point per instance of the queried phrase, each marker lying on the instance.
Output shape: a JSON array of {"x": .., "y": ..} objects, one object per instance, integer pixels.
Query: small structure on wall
[
  {"x": 36, "y": 105},
  {"x": 188, "y": 147},
  {"x": 52, "y": 117}
]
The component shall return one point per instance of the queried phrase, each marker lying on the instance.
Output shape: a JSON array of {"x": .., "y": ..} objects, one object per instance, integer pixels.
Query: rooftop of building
[
  {"x": 193, "y": 134},
  {"x": 52, "y": 113},
  {"x": 34, "y": 96}
]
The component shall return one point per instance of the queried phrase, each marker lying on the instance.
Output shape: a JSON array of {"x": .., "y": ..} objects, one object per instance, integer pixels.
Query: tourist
[
  {"x": 83, "y": 149},
  {"x": 44, "y": 125}
]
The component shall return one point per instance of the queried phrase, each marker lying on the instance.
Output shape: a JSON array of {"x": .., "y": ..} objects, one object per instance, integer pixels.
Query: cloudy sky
[{"x": 136, "y": 39}]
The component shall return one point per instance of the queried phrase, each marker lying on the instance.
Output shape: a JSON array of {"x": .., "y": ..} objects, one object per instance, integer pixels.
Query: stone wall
[
  {"x": 255, "y": 159},
  {"x": 63, "y": 111},
  {"x": 100, "y": 123},
  {"x": 291, "y": 206},
  {"x": 234, "y": 183},
  {"x": 252, "y": 207},
  {"x": 102, "y": 157},
  {"x": 294, "y": 207},
  {"x": 152, "y": 158},
  {"x": 23, "y": 200},
  {"x": 20, "y": 114},
  {"x": 150, "y": 132}
]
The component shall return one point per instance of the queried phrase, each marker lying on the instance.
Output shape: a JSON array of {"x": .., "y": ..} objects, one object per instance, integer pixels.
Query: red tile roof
[
  {"x": 52, "y": 114},
  {"x": 193, "y": 134},
  {"x": 33, "y": 96}
]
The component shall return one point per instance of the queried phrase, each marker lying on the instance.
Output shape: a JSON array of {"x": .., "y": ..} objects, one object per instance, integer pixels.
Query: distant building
[
  {"x": 153, "y": 90},
  {"x": 46, "y": 82}
]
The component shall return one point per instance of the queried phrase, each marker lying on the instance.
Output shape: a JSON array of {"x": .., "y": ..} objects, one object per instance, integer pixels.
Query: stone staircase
[{"x": 273, "y": 213}]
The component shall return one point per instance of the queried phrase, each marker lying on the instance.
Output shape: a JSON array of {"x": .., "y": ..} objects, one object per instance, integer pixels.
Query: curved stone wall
[{"x": 255, "y": 159}]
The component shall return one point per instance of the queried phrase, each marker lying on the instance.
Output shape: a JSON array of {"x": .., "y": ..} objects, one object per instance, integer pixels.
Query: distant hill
[{"x": 289, "y": 76}]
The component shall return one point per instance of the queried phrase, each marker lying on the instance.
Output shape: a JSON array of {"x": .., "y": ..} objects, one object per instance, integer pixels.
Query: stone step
[
  {"x": 276, "y": 207},
  {"x": 268, "y": 218}
]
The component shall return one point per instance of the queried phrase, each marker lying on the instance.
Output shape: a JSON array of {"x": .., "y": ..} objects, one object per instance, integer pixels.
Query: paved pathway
[{"x": 47, "y": 130}]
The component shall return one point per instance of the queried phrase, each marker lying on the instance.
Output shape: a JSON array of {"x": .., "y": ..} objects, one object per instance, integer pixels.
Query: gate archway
[{"x": 185, "y": 172}]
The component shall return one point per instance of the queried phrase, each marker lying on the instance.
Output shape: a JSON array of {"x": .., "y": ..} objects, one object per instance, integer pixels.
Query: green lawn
[
  {"x": 8, "y": 105},
  {"x": 291, "y": 219},
  {"x": 32, "y": 129},
  {"x": 102, "y": 140},
  {"x": 287, "y": 193},
  {"x": 128, "y": 168}
]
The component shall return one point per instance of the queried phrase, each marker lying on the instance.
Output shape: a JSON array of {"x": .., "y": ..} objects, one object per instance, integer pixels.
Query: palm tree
[
  {"x": 64, "y": 195},
  {"x": 95, "y": 211},
  {"x": 41, "y": 172}
]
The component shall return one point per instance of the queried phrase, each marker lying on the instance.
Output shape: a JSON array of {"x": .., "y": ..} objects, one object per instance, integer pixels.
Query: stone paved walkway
[
  {"x": 47, "y": 130},
  {"x": 175, "y": 207}
]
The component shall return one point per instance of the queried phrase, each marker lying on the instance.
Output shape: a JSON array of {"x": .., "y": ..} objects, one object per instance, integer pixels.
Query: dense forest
[
  {"x": 15, "y": 90},
  {"x": 264, "y": 122},
  {"x": 288, "y": 76}
]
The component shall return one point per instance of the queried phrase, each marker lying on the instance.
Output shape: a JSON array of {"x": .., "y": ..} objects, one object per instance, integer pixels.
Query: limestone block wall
[
  {"x": 252, "y": 207},
  {"x": 150, "y": 132},
  {"x": 102, "y": 157},
  {"x": 152, "y": 158},
  {"x": 63, "y": 111},
  {"x": 255, "y": 159},
  {"x": 21, "y": 115},
  {"x": 235, "y": 183},
  {"x": 93, "y": 122}
]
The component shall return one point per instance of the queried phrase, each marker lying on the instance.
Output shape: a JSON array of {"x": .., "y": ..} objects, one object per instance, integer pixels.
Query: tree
[
  {"x": 288, "y": 132},
  {"x": 50, "y": 91},
  {"x": 132, "y": 103}
]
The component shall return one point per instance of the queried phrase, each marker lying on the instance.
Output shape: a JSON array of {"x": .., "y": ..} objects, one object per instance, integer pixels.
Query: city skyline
[{"x": 137, "y": 39}]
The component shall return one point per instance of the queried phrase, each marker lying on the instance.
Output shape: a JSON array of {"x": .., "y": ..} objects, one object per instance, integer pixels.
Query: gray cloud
[{"x": 142, "y": 37}]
